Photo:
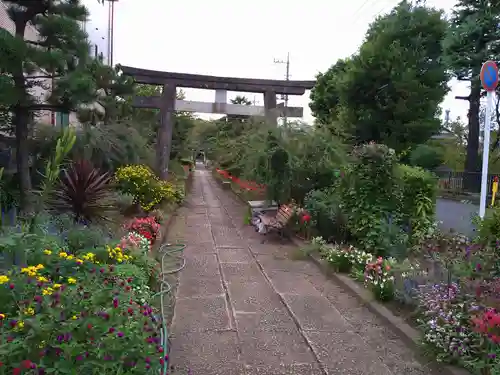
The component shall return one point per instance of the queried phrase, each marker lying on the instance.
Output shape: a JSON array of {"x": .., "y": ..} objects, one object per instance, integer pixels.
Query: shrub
[
  {"x": 426, "y": 156},
  {"x": 370, "y": 195},
  {"x": 84, "y": 192},
  {"x": 418, "y": 204},
  {"x": 140, "y": 182},
  {"x": 326, "y": 216},
  {"x": 69, "y": 315}
]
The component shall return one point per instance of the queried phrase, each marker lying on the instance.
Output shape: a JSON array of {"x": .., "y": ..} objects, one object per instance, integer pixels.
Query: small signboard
[{"x": 489, "y": 75}]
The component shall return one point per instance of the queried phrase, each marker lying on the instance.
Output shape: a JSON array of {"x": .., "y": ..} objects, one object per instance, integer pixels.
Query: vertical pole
[
  {"x": 285, "y": 119},
  {"x": 164, "y": 143},
  {"x": 486, "y": 154},
  {"x": 112, "y": 32}
]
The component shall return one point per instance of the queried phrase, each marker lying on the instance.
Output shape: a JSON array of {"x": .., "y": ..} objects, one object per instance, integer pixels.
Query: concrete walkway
[{"x": 245, "y": 308}]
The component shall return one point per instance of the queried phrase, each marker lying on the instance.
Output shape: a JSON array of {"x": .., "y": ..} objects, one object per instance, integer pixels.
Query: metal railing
[{"x": 462, "y": 182}]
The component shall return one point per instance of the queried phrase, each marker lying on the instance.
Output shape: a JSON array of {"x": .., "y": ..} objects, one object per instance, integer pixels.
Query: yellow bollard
[{"x": 494, "y": 190}]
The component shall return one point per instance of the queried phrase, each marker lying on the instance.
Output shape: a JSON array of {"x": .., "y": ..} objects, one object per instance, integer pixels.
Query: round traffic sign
[{"x": 489, "y": 75}]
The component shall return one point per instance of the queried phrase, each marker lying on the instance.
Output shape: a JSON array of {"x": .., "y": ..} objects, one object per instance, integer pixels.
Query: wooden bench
[{"x": 278, "y": 222}]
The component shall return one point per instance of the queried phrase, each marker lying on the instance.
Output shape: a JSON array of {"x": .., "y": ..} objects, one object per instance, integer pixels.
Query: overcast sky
[{"x": 227, "y": 38}]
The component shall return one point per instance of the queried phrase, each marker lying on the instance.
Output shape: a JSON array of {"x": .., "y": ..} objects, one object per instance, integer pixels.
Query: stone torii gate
[{"x": 168, "y": 104}]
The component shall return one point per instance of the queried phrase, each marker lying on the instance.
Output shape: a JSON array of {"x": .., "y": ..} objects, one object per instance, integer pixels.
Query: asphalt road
[{"x": 456, "y": 215}]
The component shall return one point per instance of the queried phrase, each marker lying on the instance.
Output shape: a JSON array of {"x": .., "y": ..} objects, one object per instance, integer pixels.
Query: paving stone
[
  {"x": 202, "y": 264},
  {"x": 270, "y": 348},
  {"x": 286, "y": 282},
  {"x": 230, "y": 255},
  {"x": 345, "y": 353},
  {"x": 284, "y": 263},
  {"x": 315, "y": 313},
  {"x": 194, "y": 286},
  {"x": 293, "y": 369},
  {"x": 201, "y": 314},
  {"x": 273, "y": 319},
  {"x": 241, "y": 272},
  {"x": 206, "y": 353},
  {"x": 256, "y": 296}
]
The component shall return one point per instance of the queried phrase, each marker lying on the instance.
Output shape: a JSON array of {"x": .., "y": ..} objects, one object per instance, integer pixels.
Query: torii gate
[{"x": 168, "y": 104}]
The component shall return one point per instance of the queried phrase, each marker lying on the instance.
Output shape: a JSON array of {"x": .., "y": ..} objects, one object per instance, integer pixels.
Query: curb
[{"x": 408, "y": 334}]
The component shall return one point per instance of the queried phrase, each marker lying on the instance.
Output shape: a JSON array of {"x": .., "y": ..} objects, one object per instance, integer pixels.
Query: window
[{"x": 62, "y": 119}]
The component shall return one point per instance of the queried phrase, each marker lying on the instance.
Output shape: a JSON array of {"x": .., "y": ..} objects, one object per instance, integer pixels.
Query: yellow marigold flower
[
  {"x": 19, "y": 325},
  {"x": 69, "y": 257},
  {"x": 3, "y": 279},
  {"x": 56, "y": 286},
  {"x": 62, "y": 254},
  {"x": 47, "y": 252},
  {"x": 43, "y": 279},
  {"x": 74, "y": 317},
  {"x": 39, "y": 267},
  {"x": 71, "y": 280},
  {"x": 2, "y": 316},
  {"x": 31, "y": 271},
  {"x": 79, "y": 261},
  {"x": 47, "y": 291},
  {"x": 29, "y": 311}
]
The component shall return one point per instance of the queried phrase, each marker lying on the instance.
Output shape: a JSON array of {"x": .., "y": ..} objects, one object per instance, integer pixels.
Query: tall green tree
[
  {"x": 471, "y": 40},
  {"x": 60, "y": 54},
  {"x": 391, "y": 90},
  {"x": 325, "y": 98}
]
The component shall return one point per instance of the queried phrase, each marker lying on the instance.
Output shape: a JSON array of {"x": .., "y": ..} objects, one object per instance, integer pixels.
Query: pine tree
[
  {"x": 473, "y": 38},
  {"x": 59, "y": 56}
]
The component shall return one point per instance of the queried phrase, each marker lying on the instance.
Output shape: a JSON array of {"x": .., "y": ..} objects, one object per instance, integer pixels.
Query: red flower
[
  {"x": 27, "y": 364},
  {"x": 306, "y": 218},
  {"x": 16, "y": 371}
]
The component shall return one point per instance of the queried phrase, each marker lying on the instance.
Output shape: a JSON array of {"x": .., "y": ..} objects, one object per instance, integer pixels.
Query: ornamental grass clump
[{"x": 71, "y": 315}]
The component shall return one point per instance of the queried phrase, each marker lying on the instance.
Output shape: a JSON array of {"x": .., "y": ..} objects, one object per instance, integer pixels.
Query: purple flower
[{"x": 120, "y": 334}]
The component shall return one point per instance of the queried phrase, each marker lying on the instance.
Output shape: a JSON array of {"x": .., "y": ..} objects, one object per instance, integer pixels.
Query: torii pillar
[{"x": 164, "y": 136}]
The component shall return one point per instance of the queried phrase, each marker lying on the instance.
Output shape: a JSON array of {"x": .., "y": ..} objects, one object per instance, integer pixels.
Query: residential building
[{"x": 42, "y": 92}]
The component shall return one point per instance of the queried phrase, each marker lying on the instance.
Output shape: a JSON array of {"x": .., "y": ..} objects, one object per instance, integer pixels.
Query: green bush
[
  {"x": 326, "y": 217},
  {"x": 370, "y": 195},
  {"x": 418, "y": 204},
  {"x": 426, "y": 156}
]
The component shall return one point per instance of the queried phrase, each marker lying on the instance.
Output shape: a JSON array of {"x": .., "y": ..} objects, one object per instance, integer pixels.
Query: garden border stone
[{"x": 407, "y": 333}]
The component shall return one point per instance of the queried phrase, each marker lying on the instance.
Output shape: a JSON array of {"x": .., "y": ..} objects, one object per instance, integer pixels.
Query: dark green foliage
[
  {"x": 426, "y": 156},
  {"x": 418, "y": 203},
  {"x": 370, "y": 195},
  {"x": 373, "y": 96},
  {"x": 327, "y": 218}
]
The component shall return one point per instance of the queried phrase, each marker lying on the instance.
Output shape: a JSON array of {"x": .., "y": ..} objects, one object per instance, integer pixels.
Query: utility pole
[
  {"x": 111, "y": 30},
  {"x": 287, "y": 76}
]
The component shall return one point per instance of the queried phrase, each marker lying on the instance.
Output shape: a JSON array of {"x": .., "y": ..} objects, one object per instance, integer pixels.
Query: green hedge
[{"x": 418, "y": 203}]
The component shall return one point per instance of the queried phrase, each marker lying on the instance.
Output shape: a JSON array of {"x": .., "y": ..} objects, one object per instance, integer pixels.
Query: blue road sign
[{"x": 489, "y": 75}]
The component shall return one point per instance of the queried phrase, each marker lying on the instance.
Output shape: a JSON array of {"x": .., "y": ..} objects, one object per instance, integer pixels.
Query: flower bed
[
  {"x": 458, "y": 317},
  {"x": 84, "y": 312},
  {"x": 248, "y": 188}
]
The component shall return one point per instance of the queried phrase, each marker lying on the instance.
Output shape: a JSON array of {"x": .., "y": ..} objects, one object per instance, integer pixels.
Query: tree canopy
[{"x": 390, "y": 91}]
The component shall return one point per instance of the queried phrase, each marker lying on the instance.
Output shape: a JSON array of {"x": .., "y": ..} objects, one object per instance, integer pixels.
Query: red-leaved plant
[{"x": 84, "y": 192}]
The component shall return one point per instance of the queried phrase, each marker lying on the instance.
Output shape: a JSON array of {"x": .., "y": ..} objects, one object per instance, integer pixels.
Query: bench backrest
[{"x": 284, "y": 214}]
